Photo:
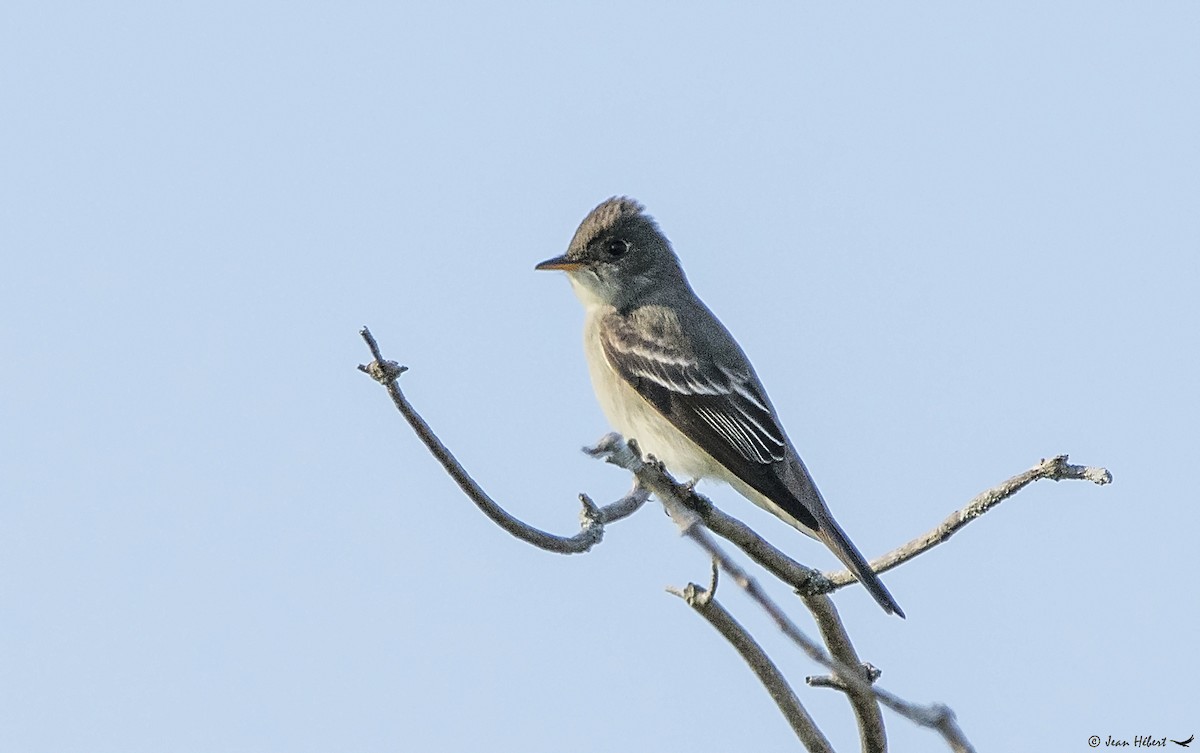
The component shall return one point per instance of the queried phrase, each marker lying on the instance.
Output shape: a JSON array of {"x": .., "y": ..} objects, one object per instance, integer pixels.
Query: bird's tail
[{"x": 835, "y": 538}]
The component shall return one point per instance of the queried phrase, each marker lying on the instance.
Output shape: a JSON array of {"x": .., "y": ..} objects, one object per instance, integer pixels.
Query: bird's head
[{"x": 619, "y": 257}]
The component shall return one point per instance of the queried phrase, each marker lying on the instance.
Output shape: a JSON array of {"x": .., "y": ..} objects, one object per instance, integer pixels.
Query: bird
[{"x": 667, "y": 373}]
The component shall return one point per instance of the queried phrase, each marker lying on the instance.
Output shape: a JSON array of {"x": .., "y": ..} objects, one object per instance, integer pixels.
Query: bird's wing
[
  {"x": 720, "y": 406},
  {"x": 718, "y": 402}
]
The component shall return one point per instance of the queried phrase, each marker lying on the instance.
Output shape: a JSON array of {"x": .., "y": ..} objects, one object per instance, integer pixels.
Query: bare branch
[
  {"x": 592, "y": 518},
  {"x": 866, "y": 709},
  {"x": 672, "y": 494},
  {"x": 1055, "y": 469},
  {"x": 871, "y": 672},
  {"x": 809, "y": 581},
  {"x": 706, "y": 605},
  {"x": 688, "y": 509}
]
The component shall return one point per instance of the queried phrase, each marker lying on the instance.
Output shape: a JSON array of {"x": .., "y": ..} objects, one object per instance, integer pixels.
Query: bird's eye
[{"x": 616, "y": 248}]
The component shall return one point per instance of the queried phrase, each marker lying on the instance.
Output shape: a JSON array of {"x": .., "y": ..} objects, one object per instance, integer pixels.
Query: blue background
[{"x": 954, "y": 238}]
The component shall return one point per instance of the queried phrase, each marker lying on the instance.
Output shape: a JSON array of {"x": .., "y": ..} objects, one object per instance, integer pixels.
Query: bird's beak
[{"x": 560, "y": 262}]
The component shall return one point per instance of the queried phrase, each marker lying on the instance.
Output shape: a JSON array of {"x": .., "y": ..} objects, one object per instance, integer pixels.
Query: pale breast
[{"x": 637, "y": 419}]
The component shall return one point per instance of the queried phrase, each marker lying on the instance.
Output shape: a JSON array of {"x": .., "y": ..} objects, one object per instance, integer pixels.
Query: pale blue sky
[{"x": 953, "y": 238}]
